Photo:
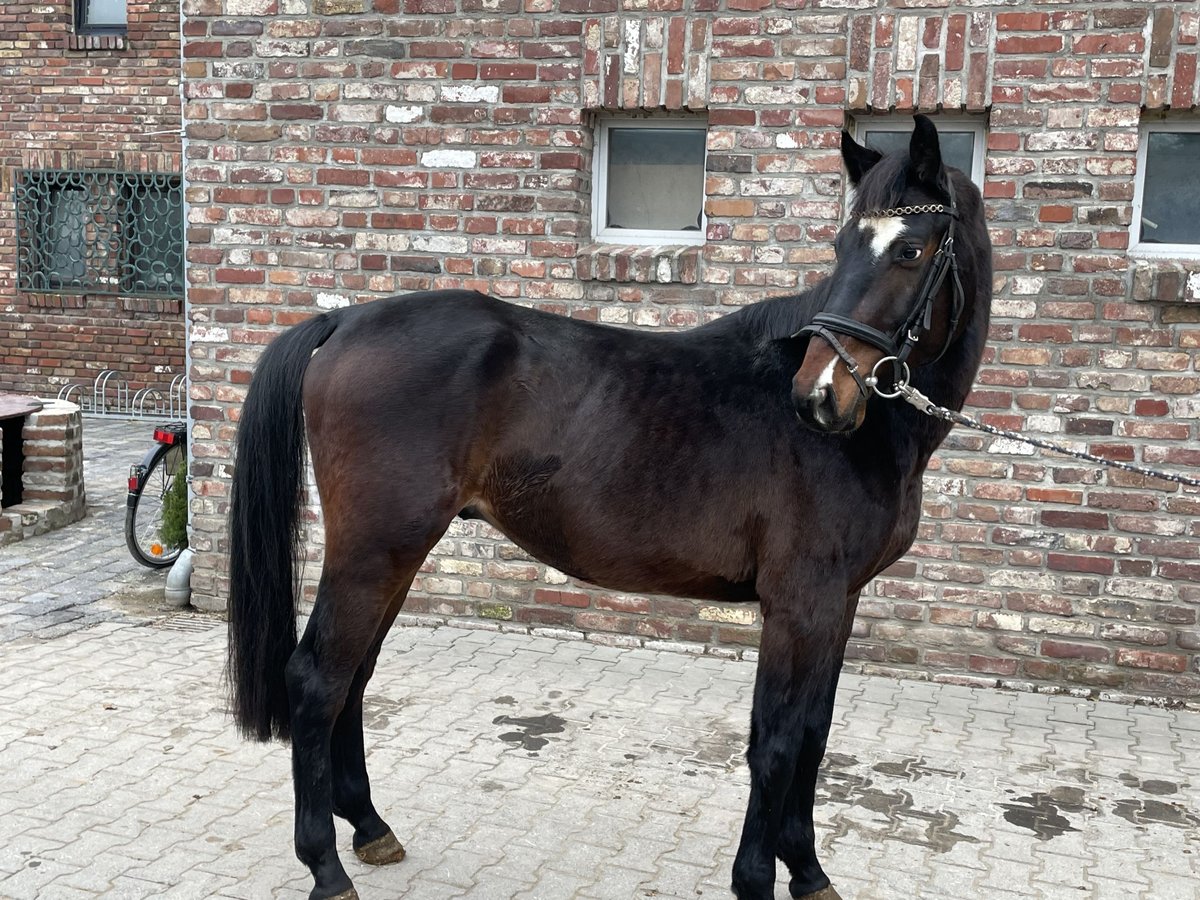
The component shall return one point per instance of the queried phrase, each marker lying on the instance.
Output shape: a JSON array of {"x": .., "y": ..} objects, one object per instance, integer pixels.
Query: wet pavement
[{"x": 520, "y": 765}]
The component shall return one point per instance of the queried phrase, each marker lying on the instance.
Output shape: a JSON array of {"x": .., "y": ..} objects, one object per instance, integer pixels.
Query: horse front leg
[
  {"x": 797, "y": 839},
  {"x": 794, "y": 665}
]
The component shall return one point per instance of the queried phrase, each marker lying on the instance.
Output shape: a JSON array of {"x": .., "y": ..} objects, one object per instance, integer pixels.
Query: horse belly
[{"x": 596, "y": 542}]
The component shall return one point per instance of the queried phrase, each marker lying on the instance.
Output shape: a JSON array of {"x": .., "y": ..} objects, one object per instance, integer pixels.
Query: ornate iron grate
[{"x": 99, "y": 232}]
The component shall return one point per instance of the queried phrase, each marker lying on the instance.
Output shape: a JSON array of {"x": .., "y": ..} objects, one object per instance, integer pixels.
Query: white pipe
[{"x": 179, "y": 581}]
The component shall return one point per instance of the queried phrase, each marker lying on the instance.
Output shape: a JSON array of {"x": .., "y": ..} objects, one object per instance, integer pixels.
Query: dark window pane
[
  {"x": 655, "y": 178},
  {"x": 957, "y": 146},
  {"x": 64, "y": 237},
  {"x": 1171, "y": 191},
  {"x": 154, "y": 238}
]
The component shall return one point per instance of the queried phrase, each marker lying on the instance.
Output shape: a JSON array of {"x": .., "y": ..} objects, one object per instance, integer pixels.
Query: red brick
[
  {"x": 1022, "y": 21},
  {"x": 1152, "y": 659},
  {"x": 495, "y": 71},
  {"x": 1056, "y": 214},
  {"x": 723, "y": 116},
  {"x": 562, "y": 598},
  {"x": 1071, "y": 562},
  {"x": 1102, "y": 44},
  {"x": 992, "y": 665},
  {"x": 1070, "y": 650},
  {"x": 1030, "y": 46}
]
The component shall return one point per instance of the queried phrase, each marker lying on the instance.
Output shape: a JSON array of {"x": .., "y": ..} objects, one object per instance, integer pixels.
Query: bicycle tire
[{"x": 144, "y": 509}]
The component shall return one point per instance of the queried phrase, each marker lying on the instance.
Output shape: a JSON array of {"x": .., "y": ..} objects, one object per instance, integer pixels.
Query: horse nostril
[
  {"x": 817, "y": 407},
  {"x": 824, "y": 404}
]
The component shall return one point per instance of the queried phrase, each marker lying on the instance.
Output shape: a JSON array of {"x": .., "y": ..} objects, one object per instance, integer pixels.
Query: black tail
[{"x": 264, "y": 531}]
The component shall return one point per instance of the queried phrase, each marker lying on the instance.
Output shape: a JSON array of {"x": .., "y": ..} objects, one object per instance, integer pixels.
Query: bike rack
[
  {"x": 178, "y": 397},
  {"x": 140, "y": 398},
  {"x": 112, "y": 397}
]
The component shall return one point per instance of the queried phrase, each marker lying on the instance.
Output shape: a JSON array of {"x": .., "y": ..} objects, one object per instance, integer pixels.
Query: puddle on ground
[
  {"x": 530, "y": 729},
  {"x": 1042, "y": 813},
  {"x": 1155, "y": 786},
  {"x": 891, "y": 814},
  {"x": 1156, "y": 812},
  {"x": 378, "y": 712},
  {"x": 912, "y": 769}
]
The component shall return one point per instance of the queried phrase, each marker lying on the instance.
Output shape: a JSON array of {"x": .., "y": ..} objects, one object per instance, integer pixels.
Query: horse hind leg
[
  {"x": 374, "y": 841},
  {"x": 326, "y": 677}
]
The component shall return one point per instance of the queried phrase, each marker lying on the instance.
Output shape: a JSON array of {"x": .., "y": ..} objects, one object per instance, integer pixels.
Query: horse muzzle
[{"x": 820, "y": 410}]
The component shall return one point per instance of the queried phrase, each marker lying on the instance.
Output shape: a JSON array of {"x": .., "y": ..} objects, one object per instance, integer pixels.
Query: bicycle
[{"x": 150, "y": 484}]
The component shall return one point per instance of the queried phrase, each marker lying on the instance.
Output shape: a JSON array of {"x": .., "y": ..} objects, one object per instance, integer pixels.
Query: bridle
[{"x": 898, "y": 345}]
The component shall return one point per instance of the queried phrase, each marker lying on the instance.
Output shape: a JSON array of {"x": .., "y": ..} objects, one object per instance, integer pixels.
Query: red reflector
[
  {"x": 163, "y": 436},
  {"x": 133, "y": 482}
]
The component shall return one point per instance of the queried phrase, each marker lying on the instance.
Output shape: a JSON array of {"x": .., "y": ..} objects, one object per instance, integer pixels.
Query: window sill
[
  {"x": 54, "y": 301},
  {"x": 98, "y": 41},
  {"x": 159, "y": 305},
  {"x": 1165, "y": 280},
  {"x": 155, "y": 305},
  {"x": 645, "y": 265},
  {"x": 1177, "y": 252}
]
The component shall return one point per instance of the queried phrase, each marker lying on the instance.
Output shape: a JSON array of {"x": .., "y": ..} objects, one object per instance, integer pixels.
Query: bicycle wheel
[{"x": 144, "y": 512}]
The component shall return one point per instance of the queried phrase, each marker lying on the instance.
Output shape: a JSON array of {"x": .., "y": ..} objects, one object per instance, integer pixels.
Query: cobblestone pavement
[
  {"x": 520, "y": 766},
  {"x": 54, "y": 583}
]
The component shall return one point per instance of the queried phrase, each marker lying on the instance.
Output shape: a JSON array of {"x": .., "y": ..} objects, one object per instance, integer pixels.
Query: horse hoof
[
  {"x": 825, "y": 893},
  {"x": 381, "y": 851},
  {"x": 351, "y": 894}
]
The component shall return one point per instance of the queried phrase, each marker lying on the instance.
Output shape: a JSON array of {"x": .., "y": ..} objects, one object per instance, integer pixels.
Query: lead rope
[{"x": 912, "y": 396}]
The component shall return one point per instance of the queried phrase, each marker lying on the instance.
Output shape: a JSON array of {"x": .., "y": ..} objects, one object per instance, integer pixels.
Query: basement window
[
  {"x": 99, "y": 232},
  {"x": 1165, "y": 198},
  {"x": 101, "y": 16},
  {"x": 962, "y": 140},
  {"x": 648, "y": 181}
]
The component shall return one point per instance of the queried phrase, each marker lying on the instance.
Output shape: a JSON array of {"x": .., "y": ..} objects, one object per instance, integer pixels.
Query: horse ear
[
  {"x": 858, "y": 159},
  {"x": 924, "y": 150}
]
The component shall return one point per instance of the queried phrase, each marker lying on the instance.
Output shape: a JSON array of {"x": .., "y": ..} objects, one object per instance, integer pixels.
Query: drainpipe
[
  {"x": 178, "y": 591},
  {"x": 179, "y": 581}
]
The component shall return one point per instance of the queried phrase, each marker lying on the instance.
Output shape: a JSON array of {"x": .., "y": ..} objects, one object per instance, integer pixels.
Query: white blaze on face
[
  {"x": 825, "y": 379},
  {"x": 884, "y": 230}
]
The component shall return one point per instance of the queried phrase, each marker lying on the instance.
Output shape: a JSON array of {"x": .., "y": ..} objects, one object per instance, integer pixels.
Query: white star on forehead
[{"x": 884, "y": 230}]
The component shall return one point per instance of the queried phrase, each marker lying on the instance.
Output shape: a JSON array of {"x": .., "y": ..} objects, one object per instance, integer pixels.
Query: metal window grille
[{"x": 99, "y": 232}]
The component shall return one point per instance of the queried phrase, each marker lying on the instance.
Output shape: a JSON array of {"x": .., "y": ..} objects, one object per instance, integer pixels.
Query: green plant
[{"x": 175, "y": 511}]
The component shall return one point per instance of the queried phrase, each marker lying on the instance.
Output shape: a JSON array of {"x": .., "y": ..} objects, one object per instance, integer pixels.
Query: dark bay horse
[{"x": 748, "y": 459}]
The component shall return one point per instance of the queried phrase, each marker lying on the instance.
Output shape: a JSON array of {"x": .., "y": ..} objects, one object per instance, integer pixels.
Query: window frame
[
  {"x": 978, "y": 125},
  {"x": 646, "y": 237},
  {"x": 82, "y": 26},
  {"x": 1136, "y": 247}
]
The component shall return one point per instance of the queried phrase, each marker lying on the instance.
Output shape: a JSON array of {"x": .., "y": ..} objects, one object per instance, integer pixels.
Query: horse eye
[{"x": 909, "y": 254}]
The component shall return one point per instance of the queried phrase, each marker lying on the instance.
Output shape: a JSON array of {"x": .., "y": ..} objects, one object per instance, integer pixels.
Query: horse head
[{"x": 905, "y": 280}]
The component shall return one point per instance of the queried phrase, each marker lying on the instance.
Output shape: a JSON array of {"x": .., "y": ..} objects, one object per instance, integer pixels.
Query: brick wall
[
  {"x": 341, "y": 150},
  {"x": 74, "y": 102}
]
